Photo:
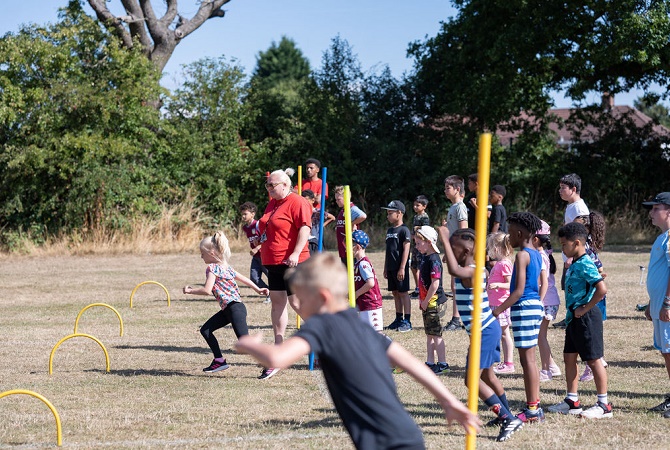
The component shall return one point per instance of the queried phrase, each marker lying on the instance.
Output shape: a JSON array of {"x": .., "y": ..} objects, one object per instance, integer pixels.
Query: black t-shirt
[
  {"x": 498, "y": 214},
  {"x": 471, "y": 209},
  {"x": 357, "y": 371},
  {"x": 395, "y": 238},
  {"x": 431, "y": 264}
]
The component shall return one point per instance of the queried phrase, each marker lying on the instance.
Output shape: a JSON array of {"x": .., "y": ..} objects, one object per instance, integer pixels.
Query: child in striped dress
[
  {"x": 459, "y": 256},
  {"x": 526, "y": 308}
]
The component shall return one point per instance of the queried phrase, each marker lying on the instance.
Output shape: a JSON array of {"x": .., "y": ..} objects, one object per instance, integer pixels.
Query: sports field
[{"x": 156, "y": 395}]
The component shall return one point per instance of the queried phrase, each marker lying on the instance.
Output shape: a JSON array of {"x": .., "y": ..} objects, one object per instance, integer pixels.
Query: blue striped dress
[{"x": 526, "y": 314}]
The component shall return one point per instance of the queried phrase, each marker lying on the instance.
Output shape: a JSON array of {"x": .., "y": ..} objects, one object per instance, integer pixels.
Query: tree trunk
[{"x": 158, "y": 36}]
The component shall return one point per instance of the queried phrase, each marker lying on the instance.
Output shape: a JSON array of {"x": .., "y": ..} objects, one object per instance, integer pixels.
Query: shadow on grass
[
  {"x": 636, "y": 364},
  {"x": 332, "y": 421},
  {"x": 166, "y": 348},
  {"x": 639, "y": 316}
]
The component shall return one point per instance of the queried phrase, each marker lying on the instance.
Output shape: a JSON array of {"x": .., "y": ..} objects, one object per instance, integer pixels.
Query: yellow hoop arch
[
  {"x": 59, "y": 431},
  {"x": 132, "y": 294},
  {"x": 76, "y": 322},
  {"x": 70, "y": 336}
]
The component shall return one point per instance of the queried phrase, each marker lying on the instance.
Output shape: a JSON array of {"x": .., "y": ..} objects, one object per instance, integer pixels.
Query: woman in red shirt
[{"x": 284, "y": 229}]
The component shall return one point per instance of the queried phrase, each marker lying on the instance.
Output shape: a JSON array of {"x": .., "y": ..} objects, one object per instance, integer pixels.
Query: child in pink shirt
[{"x": 500, "y": 253}]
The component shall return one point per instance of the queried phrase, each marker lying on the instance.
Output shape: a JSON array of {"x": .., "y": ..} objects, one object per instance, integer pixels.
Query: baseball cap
[
  {"x": 430, "y": 234},
  {"x": 545, "y": 229},
  {"x": 361, "y": 238},
  {"x": 395, "y": 205},
  {"x": 661, "y": 199}
]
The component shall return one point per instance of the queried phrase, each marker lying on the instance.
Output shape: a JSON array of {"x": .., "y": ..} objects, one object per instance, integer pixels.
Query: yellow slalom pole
[
  {"x": 349, "y": 246},
  {"x": 483, "y": 175},
  {"x": 297, "y": 316},
  {"x": 59, "y": 430}
]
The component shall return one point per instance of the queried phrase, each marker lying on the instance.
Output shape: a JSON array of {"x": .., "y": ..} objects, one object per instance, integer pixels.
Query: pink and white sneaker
[{"x": 504, "y": 368}]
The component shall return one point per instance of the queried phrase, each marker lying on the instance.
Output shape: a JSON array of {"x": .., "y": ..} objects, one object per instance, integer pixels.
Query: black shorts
[
  {"x": 276, "y": 281},
  {"x": 394, "y": 284},
  {"x": 585, "y": 336}
]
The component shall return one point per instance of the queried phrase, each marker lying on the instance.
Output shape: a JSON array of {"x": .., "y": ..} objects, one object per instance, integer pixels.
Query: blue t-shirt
[
  {"x": 658, "y": 273},
  {"x": 580, "y": 284},
  {"x": 531, "y": 290}
]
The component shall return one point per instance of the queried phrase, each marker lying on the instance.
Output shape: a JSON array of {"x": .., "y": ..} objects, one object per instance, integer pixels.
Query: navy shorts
[
  {"x": 394, "y": 284},
  {"x": 585, "y": 336}
]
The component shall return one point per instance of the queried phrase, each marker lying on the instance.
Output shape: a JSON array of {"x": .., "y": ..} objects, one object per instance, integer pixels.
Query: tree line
[{"x": 89, "y": 138}]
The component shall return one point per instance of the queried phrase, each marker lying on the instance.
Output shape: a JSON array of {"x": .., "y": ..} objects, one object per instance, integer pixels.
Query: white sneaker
[
  {"x": 545, "y": 375},
  {"x": 567, "y": 406},
  {"x": 555, "y": 371},
  {"x": 598, "y": 411}
]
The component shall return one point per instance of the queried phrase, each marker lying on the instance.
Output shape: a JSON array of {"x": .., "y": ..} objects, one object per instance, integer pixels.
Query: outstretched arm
[
  {"x": 279, "y": 356},
  {"x": 453, "y": 408},
  {"x": 205, "y": 290},
  {"x": 251, "y": 284}
]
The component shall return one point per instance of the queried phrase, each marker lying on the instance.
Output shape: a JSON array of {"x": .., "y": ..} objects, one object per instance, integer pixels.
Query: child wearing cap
[
  {"x": 368, "y": 295},
  {"x": 658, "y": 285},
  {"x": 396, "y": 269},
  {"x": 431, "y": 297}
]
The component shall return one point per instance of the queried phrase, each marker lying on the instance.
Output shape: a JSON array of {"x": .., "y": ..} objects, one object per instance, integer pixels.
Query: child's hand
[
  {"x": 496, "y": 311},
  {"x": 493, "y": 286},
  {"x": 458, "y": 412},
  {"x": 423, "y": 304},
  {"x": 647, "y": 314},
  {"x": 187, "y": 289},
  {"x": 264, "y": 291},
  {"x": 603, "y": 274}
]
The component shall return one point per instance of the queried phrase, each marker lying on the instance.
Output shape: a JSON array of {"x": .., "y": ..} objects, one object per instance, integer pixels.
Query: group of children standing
[{"x": 519, "y": 295}]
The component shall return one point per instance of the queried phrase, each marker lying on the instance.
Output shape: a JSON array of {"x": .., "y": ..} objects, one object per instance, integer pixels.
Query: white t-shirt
[{"x": 574, "y": 210}]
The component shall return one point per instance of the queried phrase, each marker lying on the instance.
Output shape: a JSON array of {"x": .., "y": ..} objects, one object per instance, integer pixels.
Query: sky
[{"x": 379, "y": 32}]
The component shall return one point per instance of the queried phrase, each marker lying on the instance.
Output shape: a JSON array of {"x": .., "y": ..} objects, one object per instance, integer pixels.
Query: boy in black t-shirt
[
  {"x": 498, "y": 217},
  {"x": 396, "y": 269},
  {"x": 355, "y": 365}
]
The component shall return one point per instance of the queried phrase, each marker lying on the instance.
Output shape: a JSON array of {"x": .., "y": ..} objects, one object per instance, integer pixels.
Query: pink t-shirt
[
  {"x": 500, "y": 270},
  {"x": 551, "y": 298}
]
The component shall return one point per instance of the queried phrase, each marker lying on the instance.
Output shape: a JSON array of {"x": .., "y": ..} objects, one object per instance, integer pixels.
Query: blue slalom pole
[{"x": 322, "y": 216}]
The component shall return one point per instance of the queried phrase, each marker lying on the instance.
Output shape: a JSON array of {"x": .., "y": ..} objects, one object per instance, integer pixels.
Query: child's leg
[
  {"x": 491, "y": 381},
  {"x": 256, "y": 271},
  {"x": 531, "y": 377},
  {"x": 406, "y": 303},
  {"x": 571, "y": 380},
  {"x": 398, "y": 302},
  {"x": 430, "y": 349},
  {"x": 455, "y": 313},
  {"x": 440, "y": 349},
  {"x": 508, "y": 345},
  {"x": 237, "y": 312},
  {"x": 599, "y": 375},
  {"x": 218, "y": 320},
  {"x": 543, "y": 345}
]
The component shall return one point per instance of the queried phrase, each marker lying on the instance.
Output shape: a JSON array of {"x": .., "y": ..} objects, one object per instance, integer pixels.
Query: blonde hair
[
  {"x": 498, "y": 246},
  {"x": 321, "y": 271},
  {"x": 338, "y": 190},
  {"x": 284, "y": 175},
  {"x": 218, "y": 245}
]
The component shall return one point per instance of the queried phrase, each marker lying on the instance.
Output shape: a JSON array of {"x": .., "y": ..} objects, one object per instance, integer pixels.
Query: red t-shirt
[
  {"x": 280, "y": 223},
  {"x": 315, "y": 186}
]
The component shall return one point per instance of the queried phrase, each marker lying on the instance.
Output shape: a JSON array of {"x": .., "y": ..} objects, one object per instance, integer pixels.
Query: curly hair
[
  {"x": 596, "y": 227},
  {"x": 526, "y": 220}
]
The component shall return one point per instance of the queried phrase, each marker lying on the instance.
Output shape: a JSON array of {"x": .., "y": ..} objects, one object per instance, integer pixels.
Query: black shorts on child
[
  {"x": 584, "y": 336},
  {"x": 394, "y": 284}
]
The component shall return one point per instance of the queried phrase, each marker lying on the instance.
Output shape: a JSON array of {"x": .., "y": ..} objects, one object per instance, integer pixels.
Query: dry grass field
[{"x": 156, "y": 395}]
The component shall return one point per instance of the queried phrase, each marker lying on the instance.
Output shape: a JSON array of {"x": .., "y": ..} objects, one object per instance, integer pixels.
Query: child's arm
[
  {"x": 463, "y": 224},
  {"x": 278, "y": 356},
  {"x": 495, "y": 227},
  {"x": 328, "y": 218},
  {"x": 543, "y": 282},
  {"x": 521, "y": 262},
  {"x": 505, "y": 285},
  {"x": 432, "y": 289},
  {"x": 403, "y": 260},
  {"x": 358, "y": 220},
  {"x": 453, "y": 408},
  {"x": 369, "y": 284},
  {"x": 598, "y": 295},
  {"x": 450, "y": 259},
  {"x": 255, "y": 250},
  {"x": 251, "y": 284},
  {"x": 205, "y": 290}
]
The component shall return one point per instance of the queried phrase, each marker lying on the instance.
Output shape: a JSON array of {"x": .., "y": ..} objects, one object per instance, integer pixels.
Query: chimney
[{"x": 607, "y": 101}]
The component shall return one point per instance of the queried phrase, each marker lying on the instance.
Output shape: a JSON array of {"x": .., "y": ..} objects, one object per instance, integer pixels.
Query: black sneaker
[
  {"x": 267, "y": 373},
  {"x": 495, "y": 422},
  {"x": 216, "y": 366},
  {"x": 414, "y": 295},
  {"x": 560, "y": 324},
  {"x": 454, "y": 324},
  {"x": 441, "y": 368},
  {"x": 395, "y": 324},
  {"x": 663, "y": 407},
  {"x": 508, "y": 427}
]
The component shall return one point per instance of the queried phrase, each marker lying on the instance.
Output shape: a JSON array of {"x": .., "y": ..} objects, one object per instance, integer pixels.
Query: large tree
[{"x": 157, "y": 33}]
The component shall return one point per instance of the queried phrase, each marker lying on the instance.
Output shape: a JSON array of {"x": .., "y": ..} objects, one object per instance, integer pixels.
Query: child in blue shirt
[{"x": 526, "y": 311}]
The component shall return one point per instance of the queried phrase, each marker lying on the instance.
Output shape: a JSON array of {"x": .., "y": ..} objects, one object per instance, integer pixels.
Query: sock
[
  {"x": 407, "y": 316},
  {"x": 497, "y": 406},
  {"x": 533, "y": 405},
  {"x": 398, "y": 316},
  {"x": 219, "y": 359},
  {"x": 503, "y": 400},
  {"x": 572, "y": 396},
  {"x": 602, "y": 398}
]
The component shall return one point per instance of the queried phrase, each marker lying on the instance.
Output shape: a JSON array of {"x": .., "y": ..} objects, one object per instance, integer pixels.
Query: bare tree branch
[
  {"x": 207, "y": 10},
  {"x": 105, "y": 16},
  {"x": 137, "y": 27}
]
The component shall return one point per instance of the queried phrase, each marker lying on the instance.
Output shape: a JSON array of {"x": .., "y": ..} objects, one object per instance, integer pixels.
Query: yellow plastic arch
[
  {"x": 76, "y": 322},
  {"x": 59, "y": 431},
  {"x": 132, "y": 294},
  {"x": 70, "y": 336}
]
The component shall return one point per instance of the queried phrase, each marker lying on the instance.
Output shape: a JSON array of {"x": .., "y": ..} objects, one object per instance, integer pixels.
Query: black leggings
[{"x": 236, "y": 314}]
